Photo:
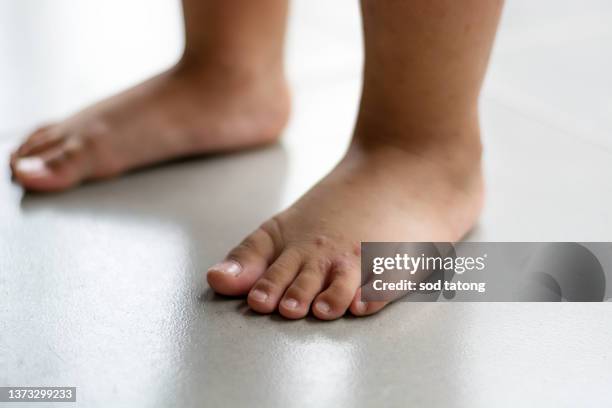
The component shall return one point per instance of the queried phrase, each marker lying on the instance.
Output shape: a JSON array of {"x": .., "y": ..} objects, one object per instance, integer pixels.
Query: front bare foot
[
  {"x": 309, "y": 254},
  {"x": 183, "y": 112}
]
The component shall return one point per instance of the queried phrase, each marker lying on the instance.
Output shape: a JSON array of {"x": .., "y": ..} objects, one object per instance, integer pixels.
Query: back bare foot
[{"x": 182, "y": 112}]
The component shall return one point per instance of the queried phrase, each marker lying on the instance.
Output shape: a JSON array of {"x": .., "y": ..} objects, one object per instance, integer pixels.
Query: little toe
[
  {"x": 308, "y": 284},
  {"x": 267, "y": 291},
  {"x": 361, "y": 307},
  {"x": 245, "y": 263},
  {"x": 335, "y": 300}
]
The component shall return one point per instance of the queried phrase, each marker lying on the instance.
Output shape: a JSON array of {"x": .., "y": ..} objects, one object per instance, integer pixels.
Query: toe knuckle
[
  {"x": 321, "y": 266},
  {"x": 93, "y": 133},
  {"x": 41, "y": 131},
  {"x": 341, "y": 292},
  {"x": 239, "y": 252},
  {"x": 273, "y": 231},
  {"x": 343, "y": 273},
  {"x": 276, "y": 273},
  {"x": 73, "y": 147},
  {"x": 256, "y": 242},
  {"x": 248, "y": 244},
  {"x": 307, "y": 283},
  {"x": 290, "y": 258},
  {"x": 266, "y": 283},
  {"x": 295, "y": 291}
]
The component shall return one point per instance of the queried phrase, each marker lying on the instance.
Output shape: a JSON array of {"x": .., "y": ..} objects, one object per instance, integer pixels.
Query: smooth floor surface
[{"x": 101, "y": 288}]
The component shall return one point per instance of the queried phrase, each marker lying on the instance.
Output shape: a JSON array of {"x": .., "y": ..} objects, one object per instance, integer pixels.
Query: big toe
[
  {"x": 57, "y": 168},
  {"x": 39, "y": 140},
  {"x": 237, "y": 274}
]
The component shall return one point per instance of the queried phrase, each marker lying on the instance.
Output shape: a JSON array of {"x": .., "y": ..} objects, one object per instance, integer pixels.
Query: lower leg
[
  {"x": 227, "y": 92},
  {"x": 239, "y": 36},
  {"x": 425, "y": 63},
  {"x": 412, "y": 172}
]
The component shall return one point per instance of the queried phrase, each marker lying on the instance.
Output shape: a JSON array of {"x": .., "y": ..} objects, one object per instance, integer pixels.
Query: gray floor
[{"x": 101, "y": 287}]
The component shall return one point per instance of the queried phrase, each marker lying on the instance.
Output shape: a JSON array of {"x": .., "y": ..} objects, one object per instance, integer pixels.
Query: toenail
[
  {"x": 259, "y": 295},
  {"x": 290, "y": 303},
  {"x": 361, "y": 306},
  {"x": 323, "y": 307},
  {"x": 31, "y": 165},
  {"x": 227, "y": 267}
]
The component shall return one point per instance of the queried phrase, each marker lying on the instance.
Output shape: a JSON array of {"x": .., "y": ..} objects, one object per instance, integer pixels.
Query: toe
[
  {"x": 30, "y": 168},
  {"x": 57, "y": 168},
  {"x": 361, "y": 307},
  {"x": 36, "y": 144},
  {"x": 246, "y": 263},
  {"x": 267, "y": 291},
  {"x": 335, "y": 300},
  {"x": 308, "y": 284},
  {"x": 40, "y": 140}
]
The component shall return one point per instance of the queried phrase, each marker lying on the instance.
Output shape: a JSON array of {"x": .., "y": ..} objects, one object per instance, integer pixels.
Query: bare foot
[
  {"x": 182, "y": 112},
  {"x": 309, "y": 254}
]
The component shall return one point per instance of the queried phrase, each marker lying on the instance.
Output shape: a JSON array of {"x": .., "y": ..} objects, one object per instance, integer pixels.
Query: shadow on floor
[{"x": 214, "y": 202}]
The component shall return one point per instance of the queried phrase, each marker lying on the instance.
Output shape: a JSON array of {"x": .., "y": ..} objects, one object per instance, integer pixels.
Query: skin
[
  {"x": 227, "y": 92},
  {"x": 412, "y": 173}
]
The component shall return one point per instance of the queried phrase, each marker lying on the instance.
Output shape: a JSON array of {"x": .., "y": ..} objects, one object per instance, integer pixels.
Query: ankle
[
  {"x": 440, "y": 139},
  {"x": 452, "y": 150},
  {"x": 241, "y": 70}
]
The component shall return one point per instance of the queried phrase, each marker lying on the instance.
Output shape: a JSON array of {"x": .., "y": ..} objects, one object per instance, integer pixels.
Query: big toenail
[
  {"x": 227, "y": 267},
  {"x": 31, "y": 165},
  {"x": 259, "y": 295},
  {"x": 361, "y": 306},
  {"x": 323, "y": 307},
  {"x": 290, "y": 303}
]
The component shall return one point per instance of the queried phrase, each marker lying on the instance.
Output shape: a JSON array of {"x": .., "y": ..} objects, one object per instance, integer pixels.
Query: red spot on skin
[
  {"x": 340, "y": 267},
  {"x": 341, "y": 263},
  {"x": 320, "y": 241},
  {"x": 325, "y": 264},
  {"x": 357, "y": 249}
]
